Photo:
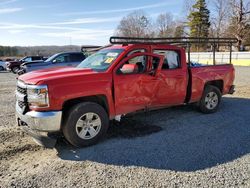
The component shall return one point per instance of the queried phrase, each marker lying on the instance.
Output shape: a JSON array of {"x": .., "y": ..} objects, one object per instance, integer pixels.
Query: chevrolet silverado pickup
[{"x": 79, "y": 102}]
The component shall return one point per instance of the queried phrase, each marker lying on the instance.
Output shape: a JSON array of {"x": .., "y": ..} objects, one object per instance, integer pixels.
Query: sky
[{"x": 76, "y": 22}]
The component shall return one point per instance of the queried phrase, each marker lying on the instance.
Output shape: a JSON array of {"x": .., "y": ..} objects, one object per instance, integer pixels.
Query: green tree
[
  {"x": 199, "y": 20},
  {"x": 8, "y": 51}
]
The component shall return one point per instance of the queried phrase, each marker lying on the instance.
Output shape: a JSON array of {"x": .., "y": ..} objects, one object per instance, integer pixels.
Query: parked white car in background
[{"x": 2, "y": 65}]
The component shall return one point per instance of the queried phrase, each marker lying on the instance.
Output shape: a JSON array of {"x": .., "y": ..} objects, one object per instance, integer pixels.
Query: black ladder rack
[
  {"x": 182, "y": 41},
  {"x": 173, "y": 40}
]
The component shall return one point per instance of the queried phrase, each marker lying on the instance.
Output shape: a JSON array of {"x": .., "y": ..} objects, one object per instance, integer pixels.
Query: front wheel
[
  {"x": 210, "y": 100},
  {"x": 85, "y": 124}
]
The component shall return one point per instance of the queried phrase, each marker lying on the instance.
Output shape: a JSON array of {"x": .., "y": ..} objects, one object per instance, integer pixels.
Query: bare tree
[
  {"x": 219, "y": 18},
  {"x": 240, "y": 20},
  {"x": 165, "y": 25},
  {"x": 180, "y": 30},
  {"x": 136, "y": 24}
]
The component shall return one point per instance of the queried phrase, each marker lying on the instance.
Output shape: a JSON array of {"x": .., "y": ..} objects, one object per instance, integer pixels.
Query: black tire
[
  {"x": 1, "y": 68},
  {"x": 77, "y": 112},
  {"x": 210, "y": 106},
  {"x": 15, "y": 70}
]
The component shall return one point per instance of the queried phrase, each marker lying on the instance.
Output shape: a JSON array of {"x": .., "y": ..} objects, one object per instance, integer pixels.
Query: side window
[
  {"x": 36, "y": 58},
  {"x": 77, "y": 57},
  {"x": 136, "y": 51},
  {"x": 171, "y": 60},
  {"x": 28, "y": 59},
  {"x": 138, "y": 64},
  {"x": 62, "y": 58}
]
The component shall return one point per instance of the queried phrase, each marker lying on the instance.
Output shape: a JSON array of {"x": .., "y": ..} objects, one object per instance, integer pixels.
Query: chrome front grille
[
  {"x": 21, "y": 96},
  {"x": 21, "y": 90},
  {"x": 21, "y": 104}
]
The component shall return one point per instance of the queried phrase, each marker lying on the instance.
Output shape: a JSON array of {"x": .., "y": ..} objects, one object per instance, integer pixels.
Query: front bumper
[
  {"x": 40, "y": 121},
  {"x": 39, "y": 125}
]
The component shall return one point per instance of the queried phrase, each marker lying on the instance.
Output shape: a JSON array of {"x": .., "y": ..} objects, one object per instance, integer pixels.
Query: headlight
[{"x": 38, "y": 96}]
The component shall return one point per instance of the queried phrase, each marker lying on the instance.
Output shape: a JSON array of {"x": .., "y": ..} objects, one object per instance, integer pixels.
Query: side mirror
[{"x": 129, "y": 68}]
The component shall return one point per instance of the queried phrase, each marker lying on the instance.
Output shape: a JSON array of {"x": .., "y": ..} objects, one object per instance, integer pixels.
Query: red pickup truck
[{"x": 118, "y": 80}]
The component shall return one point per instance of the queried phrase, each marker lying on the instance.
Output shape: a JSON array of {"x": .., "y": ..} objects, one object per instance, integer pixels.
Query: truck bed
[{"x": 220, "y": 75}]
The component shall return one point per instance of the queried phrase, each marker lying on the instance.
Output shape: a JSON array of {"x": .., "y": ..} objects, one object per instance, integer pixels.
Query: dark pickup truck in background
[
  {"x": 14, "y": 66},
  {"x": 71, "y": 59}
]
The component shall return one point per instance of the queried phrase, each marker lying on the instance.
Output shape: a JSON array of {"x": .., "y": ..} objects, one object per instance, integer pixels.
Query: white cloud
[
  {"x": 5, "y": 2},
  {"x": 9, "y": 10},
  {"x": 63, "y": 32},
  {"x": 14, "y": 26},
  {"x": 87, "y": 21},
  {"x": 88, "y": 34},
  {"x": 94, "y": 37},
  {"x": 15, "y": 31},
  {"x": 118, "y": 10},
  {"x": 57, "y": 25}
]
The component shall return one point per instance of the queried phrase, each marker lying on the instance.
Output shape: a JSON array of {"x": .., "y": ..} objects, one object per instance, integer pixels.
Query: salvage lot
[{"x": 172, "y": 147}]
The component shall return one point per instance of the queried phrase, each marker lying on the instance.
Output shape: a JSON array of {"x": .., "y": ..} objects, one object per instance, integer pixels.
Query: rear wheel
[
  {"x": 1, "y": 68},
  {"x": 15, "y": 70},
  {"x": 85, "y": 124},
  {"x": 210, "y": 100}
]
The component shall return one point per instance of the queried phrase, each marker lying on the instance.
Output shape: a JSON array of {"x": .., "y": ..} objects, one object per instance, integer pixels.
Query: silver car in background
[{"x": 2, "y": 65}]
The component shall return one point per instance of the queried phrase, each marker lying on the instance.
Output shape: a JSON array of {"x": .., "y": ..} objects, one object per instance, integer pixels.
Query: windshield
[
  {"x": 101, "y": 60},
  {"x": 51, "y": 58}
]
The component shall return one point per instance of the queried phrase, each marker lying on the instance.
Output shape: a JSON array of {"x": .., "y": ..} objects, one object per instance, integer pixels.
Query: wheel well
[
  {"x": 99, "y": 99},
  {"x": 217, "y": 83}
]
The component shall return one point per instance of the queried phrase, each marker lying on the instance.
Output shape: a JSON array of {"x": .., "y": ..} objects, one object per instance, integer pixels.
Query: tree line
[
  {"x": 223, "y": 18},
  {"x": 8, "y": 51},
  {"x": 19, "y": 51}
]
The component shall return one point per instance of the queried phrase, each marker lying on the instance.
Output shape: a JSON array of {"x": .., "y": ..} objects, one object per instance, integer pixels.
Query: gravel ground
[{"x": 176, "y": 147}]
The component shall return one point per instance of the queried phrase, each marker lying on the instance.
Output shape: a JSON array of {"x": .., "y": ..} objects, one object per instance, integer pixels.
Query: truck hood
[
  {"x": 32, "y": 62},
  {"x": 53, "y": 73},
  {"x": 10, "y": 62}
]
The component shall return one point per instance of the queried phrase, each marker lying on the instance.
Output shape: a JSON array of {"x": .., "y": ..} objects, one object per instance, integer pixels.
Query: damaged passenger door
[{"x": 135, "y": 82}]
